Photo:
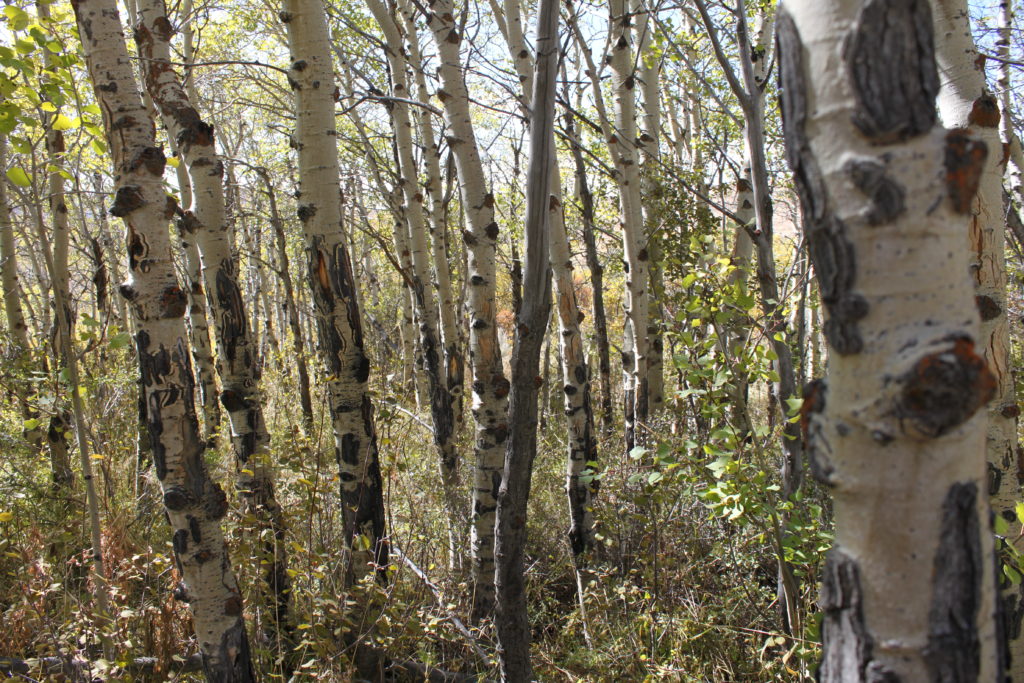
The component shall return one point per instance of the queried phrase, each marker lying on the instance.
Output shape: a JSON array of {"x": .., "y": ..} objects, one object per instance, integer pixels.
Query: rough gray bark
[{"x": 511, "y": 618}]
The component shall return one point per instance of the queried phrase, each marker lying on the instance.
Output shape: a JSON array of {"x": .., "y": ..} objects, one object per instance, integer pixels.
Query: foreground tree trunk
[
  {"x": 511, "y": 618},
  {"x": 236, "y": 350},
  {"x": 338, "y": 317},
  {"x": 908, "y": 591},
  {"x": 965, "y": 102},
  {"x": 579, "y": 416},
  {"x": 195, "y": 504}
]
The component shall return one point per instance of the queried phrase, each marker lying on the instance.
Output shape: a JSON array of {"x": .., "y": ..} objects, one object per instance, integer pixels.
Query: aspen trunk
[
  {"x": 291, "y": 308},
  {"x": 490, "y": 387},
  {"x": 338, "y": 317},
  {"x": 441, "y": 402},
  {"x": 908, "y": 590},
  {"x": 622, "y": 145},
  {"x": 236, "y": 350},
  {"x": 965, "y": 102},
  {"x": 511, "y": 618},
  {"x": 195, "y": 505},
  {"x": 450, "y": 334},
  {"x": 604, "y": 367},
  {"x": 582, "y": 444},
  {"x": 649, "y": 140},
  {"x": 60, "y": 470}
]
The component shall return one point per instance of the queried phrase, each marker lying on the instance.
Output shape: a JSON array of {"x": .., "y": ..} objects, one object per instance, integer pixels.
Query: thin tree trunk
[
  {"x": 511, "y": 618},
  {"x": 908, "y": 591},
  {"x": 339, "y": 319},
  {"x": 604, "y": 367},
  {"x": 441, "y": 402},
  {"x": 291, "y": 308},
  {"x": 649, "y": 72},
  {"x": 195, "y": 505},
  {"x": 622, "y": 145},
  {"x": 236, "y": 350},
  {"x": 582, "y": 444},
  {"x": 965, "y": 102},
  {"x": 490, "y": 387}
]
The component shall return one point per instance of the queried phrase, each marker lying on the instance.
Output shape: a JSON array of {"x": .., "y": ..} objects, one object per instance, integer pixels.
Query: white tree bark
[
  {"x": 338, "y": 317},
  {"x": 622, "y": 143},
  {"x": 908, "y": 590},
  {"x": 194, "y": 504},
  {"x": 965, "y": 102},
  {"x": 441, "y": 402},
  {"x": 582, "y": 441},
  {"x": 236, "y": 350},
  {"x": 490, "y": 387}
]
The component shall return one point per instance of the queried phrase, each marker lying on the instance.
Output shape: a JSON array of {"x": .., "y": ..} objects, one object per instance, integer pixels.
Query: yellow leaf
[
  {"x": 6, "y": 516},
  {"x": 173, "y": 161},
  {"x": 64, "y": 123}
]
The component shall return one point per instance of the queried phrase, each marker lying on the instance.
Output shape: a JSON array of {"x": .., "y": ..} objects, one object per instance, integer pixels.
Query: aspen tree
[
  {"x": 649, "y": 141},
  {"x": 236, "y": 350},
  {"x": 582, "y": 443},
  {"x": 511, "y": 617},
  {"x": 338, "y": 317},
  {"x": 622, "y": 143},
  {"x": 490, "y": 387},
  {"x": 419, "y": 259},
  {"x": 195, "y": 504},
  {"x": 908, "y": 590},
  {"x": 448, "y": 306},
  {"x": 966, "y": 103}
]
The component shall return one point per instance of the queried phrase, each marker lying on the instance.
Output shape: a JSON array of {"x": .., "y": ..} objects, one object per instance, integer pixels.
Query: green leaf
[
  {"x": 1000, "y": 525},
  {"x": 31, "y": 424},
  {"x": 655, "y": 477},
  {"x": 120, "y": 340},
  {"x": 24, "y": 47},
  {"x": 1019, "y": 508},
  {"x": 17, "y": 175}
]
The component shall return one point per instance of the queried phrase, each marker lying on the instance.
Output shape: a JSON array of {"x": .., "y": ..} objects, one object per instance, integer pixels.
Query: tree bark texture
[
  {"x": 236, "y": 350},
  {"x": 908, "y": 592},
  {"x": 965, "y": 102},
  {"x": 511, "y": 618},
  {"x": 419, "y": 260},
  {"x": 622, "y": 145},
  {"x": 490, "y": 387},
  {"x": 194, "y": 504},
  {"x": 582, "y": 442},
  {"x": 338, "y": 317}
]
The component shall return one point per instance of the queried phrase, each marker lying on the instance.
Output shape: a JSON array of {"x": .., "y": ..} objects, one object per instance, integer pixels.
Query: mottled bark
[
  {"x": 338, "y": 318},
  {"x": 622, "y": 145},
  {"x": 419, "y": 260},
  {"x": 490, "y": 387},
  {"x": 454, "y": 362},
  {"x": 965, "y": 102},
  {"x": 236, "y": 350},
  {"x": 909, "y": 591},
  {"x": 195, "y": 505}
]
